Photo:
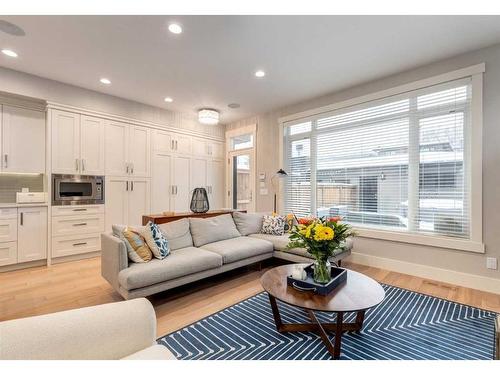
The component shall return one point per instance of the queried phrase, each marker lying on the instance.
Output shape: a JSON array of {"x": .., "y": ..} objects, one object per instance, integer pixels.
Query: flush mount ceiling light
[
  {"x": 175, "y": 28},
  {"x": 9, "y": 52},
  {"x": 168, "y": 99},
  {"x": 260, "y": 73},
  {"x": 208, "y": 116},
  {"x": 105, "y": 81}
]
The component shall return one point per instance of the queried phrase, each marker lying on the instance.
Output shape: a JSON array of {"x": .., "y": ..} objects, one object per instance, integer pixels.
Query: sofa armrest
[
  {"x": 110, "y": 331},
  {"x": 114, "y": 258}
]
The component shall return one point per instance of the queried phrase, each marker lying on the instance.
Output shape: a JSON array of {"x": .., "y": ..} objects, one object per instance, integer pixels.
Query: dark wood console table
[{"x": 162, "y": 219}]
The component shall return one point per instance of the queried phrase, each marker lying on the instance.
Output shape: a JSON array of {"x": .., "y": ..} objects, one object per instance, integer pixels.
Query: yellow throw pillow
[{"x": 140, "y": 252}]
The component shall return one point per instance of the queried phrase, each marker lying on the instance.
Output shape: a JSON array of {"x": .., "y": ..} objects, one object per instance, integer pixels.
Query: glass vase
[{"x": 322, "y": 271}]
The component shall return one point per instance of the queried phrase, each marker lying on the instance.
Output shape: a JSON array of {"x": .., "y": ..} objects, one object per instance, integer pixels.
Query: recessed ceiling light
[
  {"x": 169, "y": 99},
  {"x": 9, "y": 53},
  {"x": 11, "y": 29},
  {"x": 175, "y": 28},
  {"x": 233, "y": 105},
  {"x": 105, "y": 81},
  {"x": 260, "y": 73}
]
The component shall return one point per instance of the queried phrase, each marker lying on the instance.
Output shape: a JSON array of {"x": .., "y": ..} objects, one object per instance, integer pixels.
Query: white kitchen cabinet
[
  {"x": 32, "y": 234},
  {"x": 116, "y": 148},
  {"x": 127, "y": 199},
  {"x": 138, "y": 201},
  {"x": 162, "y": 141},
  {"x": 77, "y": 144},
  {"x": 139, "y": 151},
  {"x": 8, "y": 253},
  {"x": 23, "y": 140},
  {"x": 181, "y": 144},
  {"x": 161, "y": 182},
  {"x": 198, "y": 173},
  {"x": 91, "y": 145},
  {"x": 65, "y": 142},
  {"x": 75, "y": 244},
  {"x": 116, "y": 200},
  {"x": 215, "y": 184},
  {"x": 77, "y": 224},
  {"x": 199, "y": 147},
  {"x": 127, "y": 150},
  {"x": 215, "y": 150},
  {"x": 181, "y": 173}
]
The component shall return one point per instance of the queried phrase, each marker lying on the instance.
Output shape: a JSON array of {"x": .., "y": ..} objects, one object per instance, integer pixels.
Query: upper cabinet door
[
  {"x": 182, "y": 144},
  {"x": 116, "y": 146},
  {"x": 162, "y": 141},
  {"x": 65, "y": 142},
  {"x": 216, "y": 150},
  {"x": 92, "y": 145},
  {"x": 139, "y": 152},
  {"x": 23, "y": 140},
  {"x": 199, "y": 147}
]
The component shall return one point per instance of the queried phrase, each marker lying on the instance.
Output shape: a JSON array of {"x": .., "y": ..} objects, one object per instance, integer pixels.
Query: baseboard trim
[
  {"x": 71, "y": 258},
  {"x": 468, "y": 280},
  {"x": 22, "y": 266}
]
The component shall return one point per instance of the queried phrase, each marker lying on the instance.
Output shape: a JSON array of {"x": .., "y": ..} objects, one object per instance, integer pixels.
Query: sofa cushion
[
  {"x": 177, "y": 233},
  {"x": 280, "y": 242},
  {"x": 152, "y": 353},
  {"x": 179, "y": 263},
  {"x": 212, "y": 229},
  {"x": 236, "y": 249},
  {"x": 248, "y": 223}
]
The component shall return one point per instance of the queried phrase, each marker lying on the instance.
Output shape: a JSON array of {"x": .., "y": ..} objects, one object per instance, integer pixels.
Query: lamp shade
[
  {"x": 208, "y": 116},
  {"x": 199, "y": 201}
]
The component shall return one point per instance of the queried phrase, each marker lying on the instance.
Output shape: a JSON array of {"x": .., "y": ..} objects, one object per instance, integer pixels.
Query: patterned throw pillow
[
  {"x": 274, "y": 225},
  {"x": 140, "y": 250},
  {"x": 155, "y": 240}
]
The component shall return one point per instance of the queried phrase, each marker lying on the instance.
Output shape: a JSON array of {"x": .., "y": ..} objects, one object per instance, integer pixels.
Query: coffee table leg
[
  {"x": 334, "y": 349},
  {"x": 276, "y": 313},
  {"x": 360, "y": 318},
  {"x": 338, "y": 336}
]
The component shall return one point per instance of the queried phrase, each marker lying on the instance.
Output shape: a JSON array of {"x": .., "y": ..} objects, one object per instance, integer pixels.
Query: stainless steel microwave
[{"x": 76, "y": 189}]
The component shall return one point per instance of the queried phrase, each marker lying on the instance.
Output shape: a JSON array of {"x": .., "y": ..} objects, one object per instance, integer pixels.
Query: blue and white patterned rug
[{"x": 406, "y": 325}]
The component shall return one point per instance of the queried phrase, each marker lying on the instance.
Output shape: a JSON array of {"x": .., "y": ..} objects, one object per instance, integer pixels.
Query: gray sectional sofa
[{"x": 200, "y": 248}]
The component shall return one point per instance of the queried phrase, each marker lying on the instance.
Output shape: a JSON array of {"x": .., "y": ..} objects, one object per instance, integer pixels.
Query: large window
[{"x": 397, "y": 163}]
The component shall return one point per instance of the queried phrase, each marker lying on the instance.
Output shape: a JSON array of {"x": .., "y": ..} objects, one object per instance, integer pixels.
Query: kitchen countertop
[{"x": 17, "y": 205}]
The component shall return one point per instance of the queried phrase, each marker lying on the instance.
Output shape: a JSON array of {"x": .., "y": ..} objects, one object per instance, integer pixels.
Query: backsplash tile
[{"x": 12, "y": 183}]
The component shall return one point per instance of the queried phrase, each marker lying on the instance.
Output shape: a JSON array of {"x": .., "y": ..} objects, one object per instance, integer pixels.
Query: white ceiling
[{"x": 211, "y": 64}]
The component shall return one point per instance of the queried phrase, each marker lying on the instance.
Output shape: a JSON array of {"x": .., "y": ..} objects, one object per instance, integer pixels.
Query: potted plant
[{"x": 322, "y": 238}]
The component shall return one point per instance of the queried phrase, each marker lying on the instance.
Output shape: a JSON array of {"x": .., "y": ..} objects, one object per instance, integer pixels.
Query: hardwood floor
[{"x": 66, "y": 286}]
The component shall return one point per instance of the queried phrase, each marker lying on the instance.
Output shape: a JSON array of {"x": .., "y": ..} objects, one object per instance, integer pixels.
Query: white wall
[
  {"x": 14, "y": 82},
  {"x": 459, "y": 261}
]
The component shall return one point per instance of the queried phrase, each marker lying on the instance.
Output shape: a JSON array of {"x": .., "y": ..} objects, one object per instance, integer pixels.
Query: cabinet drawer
[
  {"x": 66, "y": 225},
  {"x": 8, "y": 253},
  {"x": 71, "y": 245},
  {"x": 77, "y": 210},
  {"x": 8, "y": 213},
  {"x": 8, "y": 229}
]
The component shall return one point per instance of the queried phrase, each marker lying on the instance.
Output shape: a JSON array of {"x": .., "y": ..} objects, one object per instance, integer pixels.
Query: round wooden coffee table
[{"x": 357, "y": 294}]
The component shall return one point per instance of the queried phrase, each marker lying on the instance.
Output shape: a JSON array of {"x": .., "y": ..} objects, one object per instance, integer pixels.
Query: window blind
[{"x": 397, "y": 163}]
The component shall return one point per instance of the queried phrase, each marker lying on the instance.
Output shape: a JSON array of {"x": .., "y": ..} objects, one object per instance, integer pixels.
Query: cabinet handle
[
  {"x": 171, "y": 144},
  {"x": 132, "y": 168},
  {"x": 83, "y": 164},
  {"x": 127, "y": 167},
  {"x": 6, "y": 159},
  {"x": 132, "y": 185},
  {"x": 80, "y": 244},
  {"x": 77, "y": 165},
  {"x": 79, "y": 209},
  {"x": 175, "y": 189},
  {"x": 79, "y": 224},
  {"x": 126, "y": 185},
  {"x": 22, "y": 218},
  {"x": 176, "y": 145}
]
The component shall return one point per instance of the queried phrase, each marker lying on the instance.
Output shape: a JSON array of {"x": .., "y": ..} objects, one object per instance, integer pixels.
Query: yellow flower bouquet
[{"x": 322, "y": 238}]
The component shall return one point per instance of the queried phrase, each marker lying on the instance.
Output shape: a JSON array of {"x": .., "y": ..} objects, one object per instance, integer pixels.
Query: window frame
[{"x": 472, "y": 157}]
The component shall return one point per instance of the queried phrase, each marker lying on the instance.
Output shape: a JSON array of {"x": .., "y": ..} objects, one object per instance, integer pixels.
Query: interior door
[
  {"x": 65, "y": 142},
  {"x": 241, "y": 180},
  {"x": 116, "y": 191},
  {"x": 92, "y": 145},
  {"x": 181, "y": 167},
  {"x": 116, "y": 146},
  {"x": 23, "y": 140},
  {"x": 215, "y": 182},
  {"x": 32, "y": 234},
  {"x": 161, "y": 183},
  {"x": 138, "y": 201},
  {"x": 139, "y": 151}
]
